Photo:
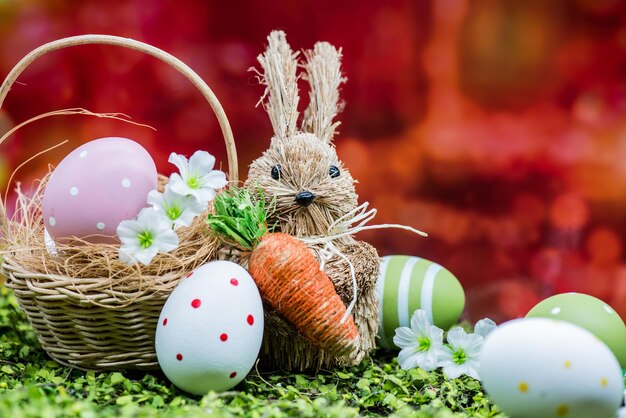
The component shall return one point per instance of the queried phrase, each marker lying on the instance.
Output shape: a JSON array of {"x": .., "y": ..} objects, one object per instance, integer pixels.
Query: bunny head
[{"x": 300, "y": 174}]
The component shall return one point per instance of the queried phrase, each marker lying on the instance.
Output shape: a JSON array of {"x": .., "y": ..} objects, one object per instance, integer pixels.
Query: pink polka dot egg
[
  {"x": 210, "y": 329},
  {"x": 95, "y": 187}
]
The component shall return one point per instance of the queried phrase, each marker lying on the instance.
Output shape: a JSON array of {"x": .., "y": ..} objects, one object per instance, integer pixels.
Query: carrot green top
[{"x": 240, "y": 217}]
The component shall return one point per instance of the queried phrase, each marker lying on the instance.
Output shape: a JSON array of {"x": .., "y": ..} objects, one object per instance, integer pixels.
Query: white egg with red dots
[
  {"x": 95, "y": 187},
  {"x": 539, "y": 367},
  {"x": 210, "y": 329}
]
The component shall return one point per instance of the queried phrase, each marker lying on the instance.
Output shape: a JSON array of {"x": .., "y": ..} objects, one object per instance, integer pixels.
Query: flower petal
[
  {"x": 473, "y": 374},
  {"x": 407, "y": 358},
  {"x": 149, "y": 219},
  {"x": 131, "y": 247},
  {"x": 187, "y": 216},
  {"x": 405, "y": 337},
  {"x": 170, "y": 197},
  {"x": 215, "y": 180},
  {"x": 484, "y": 327},
  {"x": 473, "y": 345},
  {"x": 166, "y": 241},
  {"x": 436, "y": 335},
  {"x": 429, "y": 361},
  {"x": 145, "y": 256},
  {"x": 457, "y": 337},
  {"x": 128, "y": 251},
  {"x": 472, "y": 369},
  {"x": 203, "y": 195},
  {"x": 125, "y": 257},
  {"x": 180, "y": 162},
  {"x": 127, "y": 231},
  {"x": 200, "y": 163},
  {"x": 178, "y": 185},
  {"x": 156, "y": 199},
  {"x": 445, "y": 355},
  {"x": 419, "y": 321},
  {"x": 453, "y": 371}
]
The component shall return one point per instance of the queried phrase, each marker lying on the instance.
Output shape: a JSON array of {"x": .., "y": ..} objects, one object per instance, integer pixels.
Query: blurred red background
[{"x": 499, "y": 127}]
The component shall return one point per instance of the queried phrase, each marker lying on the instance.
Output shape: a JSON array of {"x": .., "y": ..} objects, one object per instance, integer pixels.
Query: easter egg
[
  {"x": 590, "y": 313},
  {"x": 409, "y": 283},
  {"x": 538, "y": 367},
  {"x": 210, "y": 329},
  {"x": 97, "y": 186}
]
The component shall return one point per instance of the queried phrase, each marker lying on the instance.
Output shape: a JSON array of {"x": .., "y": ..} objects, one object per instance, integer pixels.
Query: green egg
[
  {"x": 589, "y": 313},
  {"x": 409, "y": 283}
]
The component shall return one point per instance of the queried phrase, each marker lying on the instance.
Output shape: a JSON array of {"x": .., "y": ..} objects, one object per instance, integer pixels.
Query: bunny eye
[
  {"x": 276, "y": 172},
  {"x": 334, "y": 171}
]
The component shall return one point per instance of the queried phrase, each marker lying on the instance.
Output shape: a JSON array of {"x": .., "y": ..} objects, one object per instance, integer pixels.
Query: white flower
[
  {"x": 420, "y": 344},
  {"x": 180, "y": 210},
  {"x": 197, "y": 177},
  {"x": 144, "y": 237},
  {"x": 461, "y": 354},
  {"x": 51, "y": 247},
  {"x": 484, "y": 327}
]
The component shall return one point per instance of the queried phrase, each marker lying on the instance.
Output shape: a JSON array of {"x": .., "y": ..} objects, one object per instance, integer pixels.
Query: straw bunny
[{"x": 310, "y": 190}]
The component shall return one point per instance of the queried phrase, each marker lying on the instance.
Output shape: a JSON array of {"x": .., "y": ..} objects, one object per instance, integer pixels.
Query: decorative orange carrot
[{"x": 286, "y": 272}]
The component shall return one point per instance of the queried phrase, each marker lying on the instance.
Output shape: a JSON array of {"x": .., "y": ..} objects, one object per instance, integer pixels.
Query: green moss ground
[{"x": 32, "y": 385}]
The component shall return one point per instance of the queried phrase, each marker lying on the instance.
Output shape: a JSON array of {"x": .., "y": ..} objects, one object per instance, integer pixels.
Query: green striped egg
[{"x": 407, "y": 284}]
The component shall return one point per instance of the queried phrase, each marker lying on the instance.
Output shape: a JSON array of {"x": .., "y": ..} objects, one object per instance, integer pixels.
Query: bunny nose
[{"x": 305, "y": 198}]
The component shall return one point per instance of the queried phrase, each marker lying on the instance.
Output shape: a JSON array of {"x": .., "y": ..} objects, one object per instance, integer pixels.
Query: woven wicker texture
[
  {"x": 76, "y": 332},
  {"x": 102, "y": 321}
]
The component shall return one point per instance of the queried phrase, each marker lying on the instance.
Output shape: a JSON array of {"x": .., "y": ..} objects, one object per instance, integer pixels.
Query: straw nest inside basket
[{"x": 94, "y": 270}]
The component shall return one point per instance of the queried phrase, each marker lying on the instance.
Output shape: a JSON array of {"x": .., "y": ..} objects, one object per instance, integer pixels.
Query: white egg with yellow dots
[{"x": 538, "y": 367}]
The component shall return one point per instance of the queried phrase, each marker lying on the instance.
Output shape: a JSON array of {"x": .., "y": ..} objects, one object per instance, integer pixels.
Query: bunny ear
[
  {"x": 279, "y": 64},
  {"x": 323, "y": 72}
]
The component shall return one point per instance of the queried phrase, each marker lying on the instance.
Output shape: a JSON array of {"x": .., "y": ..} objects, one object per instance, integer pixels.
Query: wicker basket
[{"x": 79, "y": 323}]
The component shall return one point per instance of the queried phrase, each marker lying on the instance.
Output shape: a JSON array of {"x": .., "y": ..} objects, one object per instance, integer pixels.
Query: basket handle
[{"x": 174, "y": 62}]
